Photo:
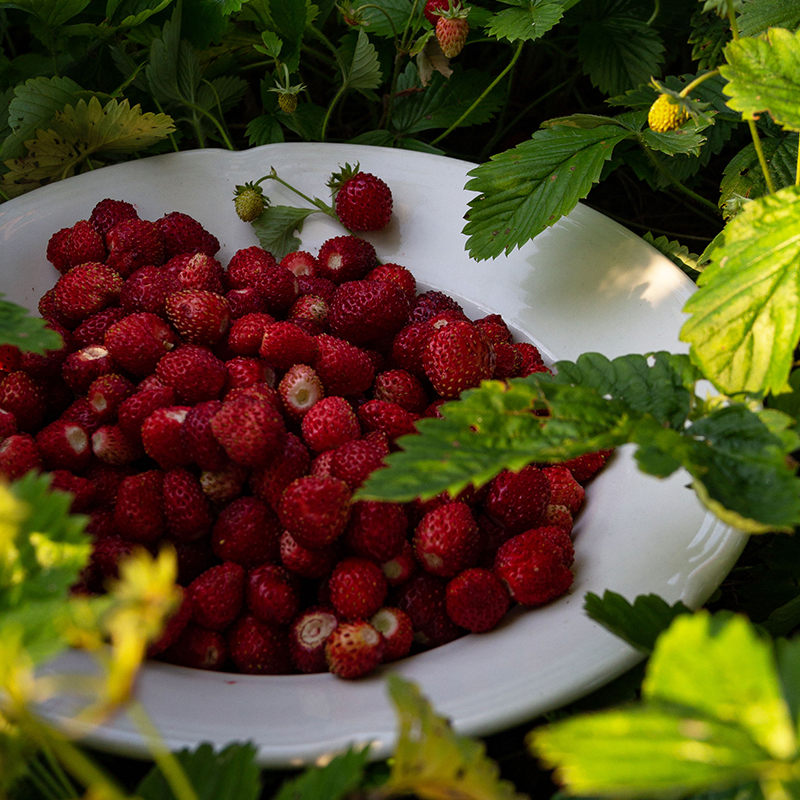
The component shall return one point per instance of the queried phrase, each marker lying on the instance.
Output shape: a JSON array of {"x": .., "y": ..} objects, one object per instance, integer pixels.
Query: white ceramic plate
[{"x": 586, "y": 284}]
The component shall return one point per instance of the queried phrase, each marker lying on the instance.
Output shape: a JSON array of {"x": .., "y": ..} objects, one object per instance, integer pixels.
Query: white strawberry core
[
  {"x": 93, "y": 352},
  {"x": 178, "y": 416},
  {"x": 370, "y": 636},
  {"x": 433, "y": 561},
  {"x": 385, "y": 622},
  {"x": 77, "y": 438},
  {"x": 316, "y": 629}
]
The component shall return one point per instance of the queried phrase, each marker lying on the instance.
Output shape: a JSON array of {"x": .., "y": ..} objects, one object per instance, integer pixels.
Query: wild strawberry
[
  {"x": 195, "y": 271},
  {"x": 248, "y": 200},
  {"x": 517, "y": 500},
  {"x": 300, "y": 389},
  {"x": 8, "y": 424},
  {"x": 246, "y": 265},
  {"x": 146, "y": 289},
  {"x": 343, "y": 368},
  {"x": 194, "y": 558},
  {"x": 534, "y": 568},
  {"x": 363, "y": 311},
  {"x": 307, "y": 636},
  {"x": 23, "y": 397},
  {"x": 267, "y": 483},
  {"x": 19, "y": 455},
  {"x": 64, "y": 445},
  {"x": 47, "y": 364},
  {"x": 495, "y": 328},
  {"x": 107, "y": 480},
  {"x": 245, "y": 301},
  {"x": 423, "y": 597},
  {"x": 354, "y": 649},
  {"x": 307, "y": 563},
  {"x": 57, "y": 249},
  {"x": 139, "y": 510},
  {"x": 243, "y": 372},
  {"x": 85, "y": 290},
  {"x": 401, "y": 567},
  {"x": 217, "y": 595},
  {"x": 363, "y": 202},
  {"x": 194, "y": 372},
  {"x": 186, "y": 507},
  {"x": 446, "y": 540},
  {"x": 284, "y": 344},
  {"x": 278, "y": 287},
  {"x": 476, "y": 599},
  {"x": 355, "y": 460},
  {"x": 137, "y": 342},
  {"x": 508, "y": 361},
  {"x": 457, "y": 357},
  {"x": 247, "y": 532},
  {"x": 134, "y": 243},
  {"x": 432, "y": 9},
  {"x": 564, "y": 489},
  {"x": 531, "y": 358},
  {"x": 250, "y": 429},
  {"x": 197, "y": 647},
  {"x": 556, "y": 516},
  {"x": 84, "y": 366},
  {"x": 316, "y": 285},
  {"x": 272, "y": 594},
  {"x": 139, "y": 406},
  {"x": 287, "y": 102},
  {"x": 114, "y": 447},
  {"x": 433, "y": 302},
  {"x": 376, "y": 530},
  {"x": 198, "y": 440},
  {"x": 81, "y": 412},
  {"x": 106, "y": 394},
  {"x": 395, "y": 627},
  {"x": 357, "y": 588},
  {"x": 199, "y": 316},
  {"x": 402, "y": 388},
  {"x": 108, "y": 213},
  {"x": 246, "y": 332},
  {"x": 84, "y": 244},
  {"x": 400, "y": 276},
  {"x": 161, "y": 436},
  {"x": 409, "y": 346},
  {"x": 258, "y": 648},
  {"x": 175, "y": 625},
  {"x": 345, "y": 258},
  {"x": 452, "y": 29},
  {"x": 390, "y": 418},
  {"x": 315, "y": 509},
  {"x": 300, "y": 262},
  {"x": 310, "y": 307},
  {"x": 583, "y": 468},
  {"x": 666, "y": 114},
  {"x": 329, "y": 423},
  {"x": 184, "y": 234},
  {"x": 81, "y": 489},
  {"x": 224, "y": 485},
  {"x": 101, "y": 520}
]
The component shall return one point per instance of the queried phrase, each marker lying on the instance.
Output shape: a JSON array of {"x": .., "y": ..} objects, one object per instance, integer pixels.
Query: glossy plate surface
[{"x": 586, "y": 284}]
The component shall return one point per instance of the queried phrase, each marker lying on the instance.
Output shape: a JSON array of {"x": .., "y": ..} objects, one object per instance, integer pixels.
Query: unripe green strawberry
[
  {"x": 451, "y": 31},
  {"x": 666, "y": 115},
  {"x": 249, "y": 202},
  {"x": 288, "y": 102}
]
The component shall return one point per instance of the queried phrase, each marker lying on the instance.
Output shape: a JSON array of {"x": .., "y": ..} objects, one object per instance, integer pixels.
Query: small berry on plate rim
[{"x": 249, "y": 201}]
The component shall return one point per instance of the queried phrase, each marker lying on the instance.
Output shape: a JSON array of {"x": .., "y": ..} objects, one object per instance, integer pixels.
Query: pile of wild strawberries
[{"x": 232, "y": 411}]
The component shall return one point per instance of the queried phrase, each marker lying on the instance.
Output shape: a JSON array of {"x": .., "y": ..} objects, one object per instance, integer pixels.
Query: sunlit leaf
[
  {"x": 27, "y": 332},
  {"x": 526, "y": 20}
]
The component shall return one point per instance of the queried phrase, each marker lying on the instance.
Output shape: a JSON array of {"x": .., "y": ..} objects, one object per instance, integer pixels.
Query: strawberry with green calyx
[
  {"x": 249, "y": 201},
  {"x": 363, "y": 201},
  {"x": 672, "y": 109},
  {"x": 452, "y": 29},
  {"x": 287, "y": 91}
]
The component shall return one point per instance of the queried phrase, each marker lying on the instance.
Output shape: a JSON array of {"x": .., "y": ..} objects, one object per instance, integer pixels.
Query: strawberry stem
[{"x": 315, "y": 201}]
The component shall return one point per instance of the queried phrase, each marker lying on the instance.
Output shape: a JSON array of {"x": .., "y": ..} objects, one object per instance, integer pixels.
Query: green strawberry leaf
[
  {"x": 52, "y": 13},
  {"x": 708, "y": 38},
  {"x": 706, "y": 721},
  {"x": 677, "y": 253},
  {"x": 528, "y": 20},
  {"x": 28, "y": 333},
  {"x": 289, "y": 19},
  {"x": 276, "y": 226},
  {"x": 363, "y": 70},
  {"x": 787, "y": 656},
  {"x": 230, "y": 774},
  {"x": 756, "y": 18},
  {"x": 687, "y": 139},
  {"x": 431, "y": 761},
  {"x": 720, "y": 7},
  {"x": 524, "y": 190},
  {"x": 745, "y": 318},
  {"x": 387, "y": 17},
  {"x": 342, "y": 775},
  {"x": 639, "y": 623},
  {"x": 132, "y": 13},
  {"x": 763, "y": 77}
]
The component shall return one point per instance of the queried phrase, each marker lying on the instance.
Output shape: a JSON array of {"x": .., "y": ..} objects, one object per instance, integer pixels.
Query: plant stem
[
  {"x": 331, "y": 105},
  {"x": 324, "y": 207},
  {"x": 697, "y": 81},
  {"x": 797, "y": 168},
  {"x": 485, "y": 92},
  {"x": 662, "y": 170}
]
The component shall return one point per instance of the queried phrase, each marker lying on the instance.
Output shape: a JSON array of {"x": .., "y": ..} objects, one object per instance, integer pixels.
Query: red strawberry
[
  {"x": 278, "y": 287},
  {"x": 329, "y": 423},
  {"x": 316, "y": 285},
  {"x": 199, "y": 648},
  {"x": 161, "y": 436},
  {"x": 84, "y": 244},
  {"x": 354, "y": 649},
  {"x": 146, "y": 290},
  {"x": 8, "y": 424},
  {"x": 376, "y": 530},
  {"x": 186, "y": 507},
  {"x": 194, "y": 372},
  {"x": 433, "y": 302},
  {"x": 246, "y": 532},
  {"x": 300, "y": 388},
  {"x": 422, "y": 597},
  {"x": 48, "y": 364},
  {"x": 246, "y": 265},
  {"x": 583, "y": 468},
  {"x": 304, "y": 562},
  {"x": 307, "y": 637},
  {"x": 199, "y": 316},
  {"x": 137, "y": 342},
  {"x": 346, "y": 258},
  {"x": 272, "y": 594},
  {"x": 400, "y": 276},
  {"x": 184, "y": 234},
  {"x": 432, "y": 9},
  {"x": 57, "y": 249},
  {"x": 134, "y": 243},
  {"x": 259, "y": 648},
  {"x": 457, "y": 357},
  {"x": 395, "y": 627},
  {"x": 107, "y": 393},
  {"x": 114, "y": 447},
  {"x": 314, "y": 509},
  {"x": 446, "y": 540},
  {"x": 139, "y": 406},
  {"x": 250, "y": 429},
  {"x": 357, "y": 588},
  {"x": 363, "y": 202},
  {"x": 64, "y": 445},
  {"x": 82, "y": 489},
  {"x": 451, "y": 30},
  {"x": 402, "y": 388},
  {"x": 84, "y": 366},
  {"x": 195, "y": 271},
  {"x": 18, "y": 455},
  {"x": 108, "y": 213},
  {"x": 85, "y": 290},
  {"x": 139, "y": 510},
  {"x": 246, "y": 333},
  {"x": 217, "y": 595},
  {"x": 535, "y": 568},
  {"x": 390, "y": 418},
  {"x": 399, "y": 569},
  {"x": 476, "y": 599},
  {"x": 312, "y": 308},
  {"x": 495, "y": 328},
  {"x": 175, "y": 625},
  {"x": 364, "y": 311},
  {"x": 557, "y": 517},
  {"x": 343, "y": 368},
  {"x": 267, "y": 483},
  {"x": 300, "y": 262},
  {"x": 197, "y": 437},
  {"x": 517, "y": 500},
  {"x": 409, "y": 346},
  {"x": 564, "y": 489},
  {"x": 284, "y": 344},
  {"x": 508, "y": 361},
  {"x": 355, "y": 460},
  {"x": 531, "y": 358},
  {"x": 224, "y": 485}
]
